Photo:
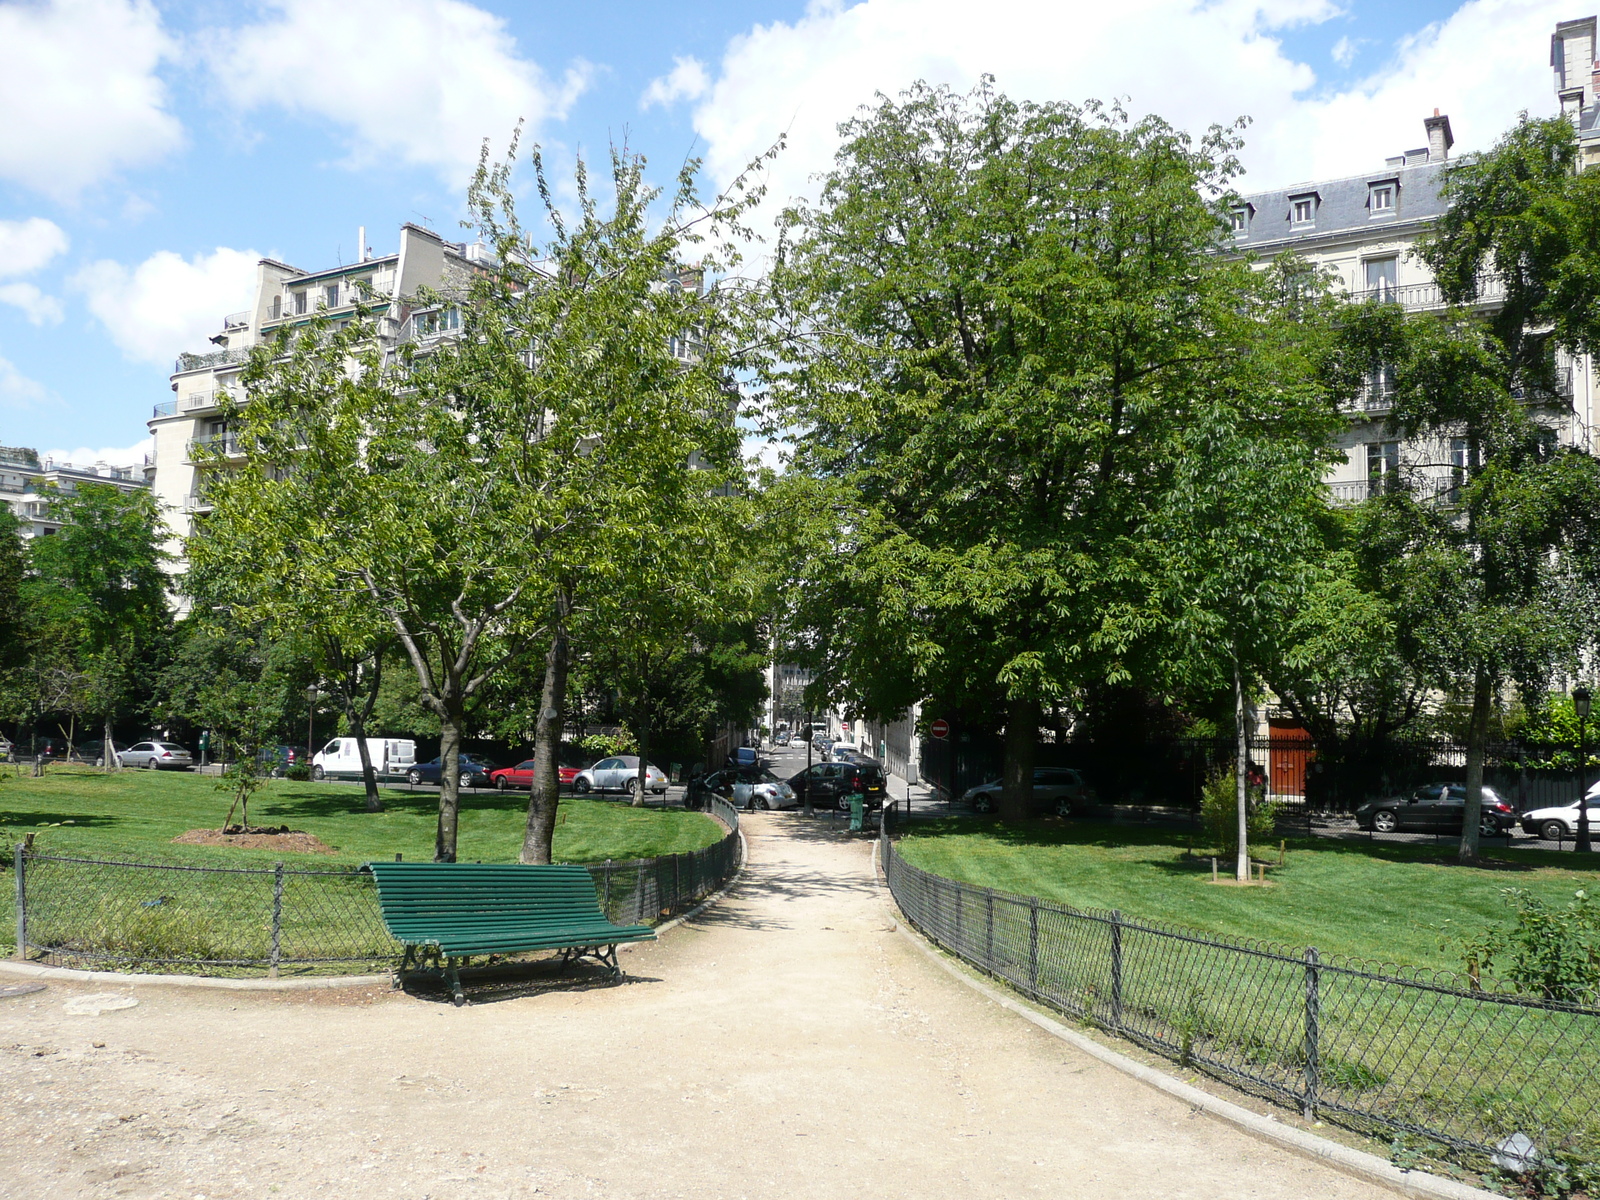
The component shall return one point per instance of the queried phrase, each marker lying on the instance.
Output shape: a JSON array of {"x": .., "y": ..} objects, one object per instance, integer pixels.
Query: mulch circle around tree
[{"x": 257, "y": 837}]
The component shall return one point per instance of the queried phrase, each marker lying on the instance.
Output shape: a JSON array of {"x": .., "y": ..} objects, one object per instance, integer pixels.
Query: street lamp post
[
  {"x": 1580, "y": 705},
  {"x": 311, "y": 714}
]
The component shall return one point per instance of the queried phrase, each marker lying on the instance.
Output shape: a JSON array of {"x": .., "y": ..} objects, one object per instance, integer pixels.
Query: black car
[
  {"x": 474, "y": 771},
  {"x": 1435, "y": 808},
  {"x": 276, "y": 760},
  {"x": 832, "y": 783}
]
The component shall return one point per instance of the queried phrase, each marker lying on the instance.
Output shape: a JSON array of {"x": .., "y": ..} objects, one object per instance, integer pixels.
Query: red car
[{"x": 521, "y": 776}]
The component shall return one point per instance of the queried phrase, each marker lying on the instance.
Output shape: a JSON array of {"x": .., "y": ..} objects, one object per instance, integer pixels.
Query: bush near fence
[
  {"x": 140, "y": 916},
  {"x": 1386, "y": 1051}
]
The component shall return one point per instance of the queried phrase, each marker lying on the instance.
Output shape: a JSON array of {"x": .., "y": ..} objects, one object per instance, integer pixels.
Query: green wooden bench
[{"x": 452, "y": 912}]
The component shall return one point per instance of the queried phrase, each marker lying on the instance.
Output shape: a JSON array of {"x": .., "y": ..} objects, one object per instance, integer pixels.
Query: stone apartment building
[
  {"x": 287, "y": 296},
  {"x": 27, "y": 485},
  {"x": 1363, "y": 229}
]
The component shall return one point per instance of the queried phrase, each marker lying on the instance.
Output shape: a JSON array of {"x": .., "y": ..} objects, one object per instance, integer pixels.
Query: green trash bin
[{"x": 858, "y": 812}]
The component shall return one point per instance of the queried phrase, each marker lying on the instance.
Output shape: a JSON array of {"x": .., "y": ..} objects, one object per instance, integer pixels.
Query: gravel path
[{"x": 785, "y": 1044}]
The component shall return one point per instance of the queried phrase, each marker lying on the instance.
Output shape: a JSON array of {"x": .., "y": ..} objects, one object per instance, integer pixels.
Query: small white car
[
  {"x": 156, "y": 756},
  {"x": 619, "y": 774},
  {"x": 752, "y": 787},
  {"x": 1561, "y": 820}
]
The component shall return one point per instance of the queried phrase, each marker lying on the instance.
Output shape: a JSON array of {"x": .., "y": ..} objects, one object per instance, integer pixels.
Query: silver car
[
  {"x": 156, "y": 756},
  {"x": 1055, "y": 790},
  {"x": 619, "y": 774},
  {"x": 752, "y": 788}
]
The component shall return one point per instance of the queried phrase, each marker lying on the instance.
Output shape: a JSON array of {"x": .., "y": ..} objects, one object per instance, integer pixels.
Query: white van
[{"x": 341, "y": 758}]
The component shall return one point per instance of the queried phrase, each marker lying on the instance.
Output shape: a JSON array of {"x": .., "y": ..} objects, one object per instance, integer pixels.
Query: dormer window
[
  {"x": 1383, "y": 197},
  {"x": 1303, "y": 209},
  {"x": 1239, "y": 219}
]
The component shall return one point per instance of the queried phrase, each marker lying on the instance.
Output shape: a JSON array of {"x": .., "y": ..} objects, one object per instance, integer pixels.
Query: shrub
[
  {"x": 299, "y": 773},
  {"x": 1546, "y": 951},
  {"x": 1219, "y": 811}
]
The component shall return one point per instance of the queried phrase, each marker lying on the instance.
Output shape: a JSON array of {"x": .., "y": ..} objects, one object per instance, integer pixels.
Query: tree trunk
[
  {"x": 444, "y": 846},
  {"x": 1022, "y": 733},
  {"x": 1477, "y": 744},
  {"x": 641, "y": 734},
  {"x": 545, "y": 791},
  {"x": 109, "y": 750},
  {"x": 358, "y": 730},
  {"x": 1241, "y": 768}
]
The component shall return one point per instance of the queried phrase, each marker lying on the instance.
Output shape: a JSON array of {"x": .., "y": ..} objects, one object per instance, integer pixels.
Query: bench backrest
[{"x": 420, "y": 897}]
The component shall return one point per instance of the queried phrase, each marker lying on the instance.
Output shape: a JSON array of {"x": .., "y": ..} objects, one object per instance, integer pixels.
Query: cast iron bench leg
[{"x": 453, "y": 977}]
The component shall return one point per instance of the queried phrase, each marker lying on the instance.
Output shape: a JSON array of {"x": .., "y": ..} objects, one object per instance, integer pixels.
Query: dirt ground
[{"x": 785, "y": 1044}]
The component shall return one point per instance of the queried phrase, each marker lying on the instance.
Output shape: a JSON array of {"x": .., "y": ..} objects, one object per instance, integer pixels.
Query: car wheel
[
  {"x": 1064, "y": 809},
  {"x": 413, "y": 777},
  {"x": 765, "y": 804},
  {"x": 150, "y": 764},
  {"x": 1553, "y": 831},
  {"x": 633, "y": 788},
  {"x": 500, "y": 784},
  {"x": 983, "y": 803},
  {"x": 1489, "y": 828},
  {"x": 318, "y": 774},
  {"x": 581, "y": 786},
  {"x": 1383, "y": 821}
]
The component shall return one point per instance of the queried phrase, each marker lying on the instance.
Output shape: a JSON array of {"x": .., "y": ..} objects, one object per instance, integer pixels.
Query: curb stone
[{"x": 1368, "y": 1167}]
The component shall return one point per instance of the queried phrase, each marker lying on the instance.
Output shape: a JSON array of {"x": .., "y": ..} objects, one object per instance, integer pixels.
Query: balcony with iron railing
[{"x": 210, "y": 445}]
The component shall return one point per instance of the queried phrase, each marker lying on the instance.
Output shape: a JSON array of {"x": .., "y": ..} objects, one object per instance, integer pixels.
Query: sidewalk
[{"x": 787, "y": 1043}]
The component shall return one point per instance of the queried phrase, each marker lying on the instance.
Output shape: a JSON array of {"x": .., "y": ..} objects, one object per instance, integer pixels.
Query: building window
[
  {"x": 1383, "y": 467},
  {"x": 1304, "y": 211},
  {"x": 1238, "y": 220},
  {"x": 1383, "y": 277},
  {"x": 299, "y": 303},
  {"x": 332, "y": 293},
  {"x": 1381, "y": 201},
  {"x": 276, "y": 311}
]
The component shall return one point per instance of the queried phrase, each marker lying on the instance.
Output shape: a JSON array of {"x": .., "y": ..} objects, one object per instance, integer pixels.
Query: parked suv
[{"x": 832, "y": 783}]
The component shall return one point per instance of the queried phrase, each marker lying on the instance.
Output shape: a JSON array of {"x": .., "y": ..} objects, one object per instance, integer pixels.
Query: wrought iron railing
[
  {"x": 1391, "y": 1052},
  {"x": 75, "y": 910}
]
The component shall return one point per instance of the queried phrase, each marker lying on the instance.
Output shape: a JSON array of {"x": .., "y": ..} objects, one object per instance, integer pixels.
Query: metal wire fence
[
  {"x": 1417, "y": 1056},
  {"x": 140, "y": 916}
]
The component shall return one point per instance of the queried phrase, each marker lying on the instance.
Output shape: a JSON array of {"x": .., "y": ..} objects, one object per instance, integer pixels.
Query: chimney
[
  {"x": 361, "y": 238},
  {"x": 1440, "y": 139}
]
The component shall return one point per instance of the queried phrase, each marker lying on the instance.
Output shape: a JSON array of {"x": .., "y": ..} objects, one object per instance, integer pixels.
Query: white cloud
[
  {"x": 167, "y": 303},
  {"x": 424, "y": 81},
  {"x": 16, "y": 389},
  {"x": 39, "y": 308},
  {"x": 79, "y": 86},
  {"x": 113, "y": 456},
  {"x": 1192, "y": 62},
  {"x": 1344, "y": 50},
  {"x": 25, "y": 246},
  {"x": 687, "y": 81}
]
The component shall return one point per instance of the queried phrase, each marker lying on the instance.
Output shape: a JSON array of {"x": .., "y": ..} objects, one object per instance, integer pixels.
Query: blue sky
[{"x": 151, "y": 152}]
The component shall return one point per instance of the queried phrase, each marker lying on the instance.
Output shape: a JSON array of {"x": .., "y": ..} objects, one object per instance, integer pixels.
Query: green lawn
[
  {"x": 136, "y": 814},
  {"x": 1378, "y": 901}
]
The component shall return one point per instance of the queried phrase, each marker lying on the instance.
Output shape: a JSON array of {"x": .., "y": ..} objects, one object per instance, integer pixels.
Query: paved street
[{"x": 787, "y": 1043}]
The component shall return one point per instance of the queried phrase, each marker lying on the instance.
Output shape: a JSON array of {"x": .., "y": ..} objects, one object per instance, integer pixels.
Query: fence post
[
  {"x": 988, "y": 930},
  {"x": 1116, "y": 969},
  {"x": 19, "y": 861},
  {"x": 960, "y": 905},
  {"x": 1313, "y": 1030},
  {"x": 277, "y": 920},
  {"x": 1033, "y": 944}
]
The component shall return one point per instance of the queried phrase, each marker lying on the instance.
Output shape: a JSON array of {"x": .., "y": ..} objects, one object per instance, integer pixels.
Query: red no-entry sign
[{"x": 940, "y": 728}]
